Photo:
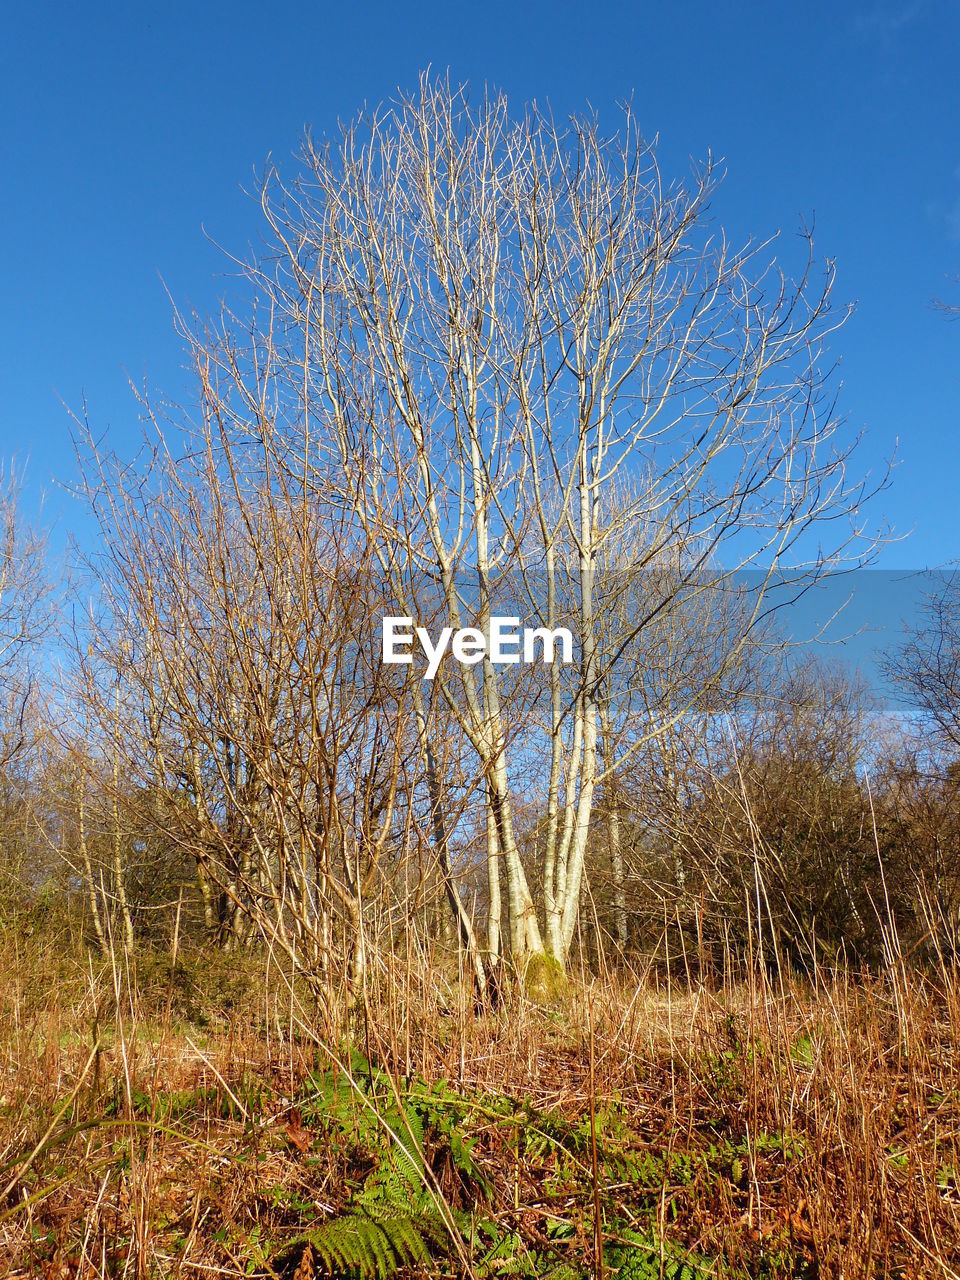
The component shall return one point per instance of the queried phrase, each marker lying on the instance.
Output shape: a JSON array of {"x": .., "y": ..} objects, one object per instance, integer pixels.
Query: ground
[{"x": 208, "y": 1120}]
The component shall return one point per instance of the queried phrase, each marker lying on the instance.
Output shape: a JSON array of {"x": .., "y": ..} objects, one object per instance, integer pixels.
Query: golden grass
[{"x": 821, "y": 1117}]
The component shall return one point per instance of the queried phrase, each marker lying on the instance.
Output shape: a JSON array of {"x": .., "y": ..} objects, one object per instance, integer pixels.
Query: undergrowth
[{"x": 809, "y": 1130}]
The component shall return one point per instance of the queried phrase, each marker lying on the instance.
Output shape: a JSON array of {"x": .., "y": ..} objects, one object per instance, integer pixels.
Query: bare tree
[
  {"x": 28, "y": 618},
  {"x": 236, "y": 695},
  {"x": 27, "y": 615},
  {"x": 926, "y": 669},
  {"x": 512, "y": 341},
  {"x": 490, "y": 366}
]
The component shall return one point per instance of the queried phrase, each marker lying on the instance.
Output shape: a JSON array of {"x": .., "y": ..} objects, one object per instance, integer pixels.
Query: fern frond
[{"x": 375, "y": 1241}]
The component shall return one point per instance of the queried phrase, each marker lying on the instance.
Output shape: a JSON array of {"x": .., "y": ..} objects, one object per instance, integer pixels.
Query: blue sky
[{"x": 128, "y": 130}]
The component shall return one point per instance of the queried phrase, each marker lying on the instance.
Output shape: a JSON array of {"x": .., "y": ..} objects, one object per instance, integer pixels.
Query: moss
[{"x": 543, "y": 979}]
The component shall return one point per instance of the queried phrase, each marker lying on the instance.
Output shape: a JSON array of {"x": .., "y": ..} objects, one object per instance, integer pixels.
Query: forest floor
[{"x": 197, "y": 1121}]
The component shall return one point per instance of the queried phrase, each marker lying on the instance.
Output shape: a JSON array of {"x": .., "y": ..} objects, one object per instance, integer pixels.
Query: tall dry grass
[{"x": 149, "y": 1119}]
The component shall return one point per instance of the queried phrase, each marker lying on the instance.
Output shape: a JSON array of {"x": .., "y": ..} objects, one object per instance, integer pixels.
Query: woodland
[{"x": 643, "y": 964}]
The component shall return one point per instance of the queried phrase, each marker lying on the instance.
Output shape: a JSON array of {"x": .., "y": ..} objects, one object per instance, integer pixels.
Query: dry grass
[{"x": 797, "y": 1129}]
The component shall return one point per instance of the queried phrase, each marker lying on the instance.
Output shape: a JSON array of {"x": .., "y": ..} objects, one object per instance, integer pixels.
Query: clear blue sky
[{"x": 125, "y": 130}]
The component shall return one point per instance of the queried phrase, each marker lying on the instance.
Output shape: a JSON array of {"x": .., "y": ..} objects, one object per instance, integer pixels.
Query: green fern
[
  {"x": 639, "y": 1257},
  {"x": 368, "y": 1115},
  {"x": 375, "y": 1240},
  {"x": 406, "y": 1145},
  {"x": 393, "y": 1222},
  {"x": 442, "y": 1111}
]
